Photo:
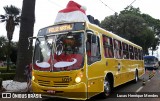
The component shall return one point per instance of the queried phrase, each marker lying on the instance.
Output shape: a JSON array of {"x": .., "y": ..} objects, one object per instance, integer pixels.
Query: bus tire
[
  {"x": 136, "y": 77},
  {"x": 107, "y": 88}
]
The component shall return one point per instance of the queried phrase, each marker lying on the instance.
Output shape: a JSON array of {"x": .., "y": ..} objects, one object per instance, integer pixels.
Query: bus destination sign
[{"x": 60, "y": 28}]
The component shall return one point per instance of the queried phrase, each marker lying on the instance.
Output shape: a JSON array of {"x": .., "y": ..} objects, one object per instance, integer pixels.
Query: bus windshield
[
  {"x": 149, "y": 60},
  {"x": 59, "y": 52}
]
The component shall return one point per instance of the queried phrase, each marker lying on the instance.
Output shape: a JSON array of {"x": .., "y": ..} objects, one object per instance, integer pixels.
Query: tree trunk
[
  {"x": 26, "y": 30},
  {"x": 8, "y": 54}
]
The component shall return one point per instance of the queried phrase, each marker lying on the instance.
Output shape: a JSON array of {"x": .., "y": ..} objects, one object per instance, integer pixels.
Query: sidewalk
[{"x": 13, "y": 86}]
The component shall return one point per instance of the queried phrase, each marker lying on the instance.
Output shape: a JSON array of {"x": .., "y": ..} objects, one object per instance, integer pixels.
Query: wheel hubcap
[{"x": 106, "y": 88}]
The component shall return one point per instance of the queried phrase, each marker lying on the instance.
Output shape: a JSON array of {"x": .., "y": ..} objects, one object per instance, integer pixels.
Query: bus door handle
[
  {"x": 119, "y": 66},
  {"x": 106, "y": 63}
]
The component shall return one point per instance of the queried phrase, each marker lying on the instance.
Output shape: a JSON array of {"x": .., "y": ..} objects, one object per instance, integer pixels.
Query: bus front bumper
[{"x": 77, "y": 91}]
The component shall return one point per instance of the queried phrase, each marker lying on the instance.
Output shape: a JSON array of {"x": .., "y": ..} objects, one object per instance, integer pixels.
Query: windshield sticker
[{"x": 62, "y": 64}]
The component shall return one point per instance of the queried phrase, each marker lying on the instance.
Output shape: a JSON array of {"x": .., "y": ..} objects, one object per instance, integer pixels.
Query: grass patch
[
  {"x": 7, "y": 76},
  {"x": 4, "y": 69}
]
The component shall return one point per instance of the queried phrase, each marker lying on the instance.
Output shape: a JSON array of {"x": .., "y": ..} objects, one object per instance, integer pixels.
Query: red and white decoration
[
  {"x": 62, "y": 64},
  {"x": 74, "y": 12},
  {"x": 42, "y": 64}
]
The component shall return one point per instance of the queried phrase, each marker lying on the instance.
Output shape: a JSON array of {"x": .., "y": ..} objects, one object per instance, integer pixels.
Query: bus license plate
[{"x": 51, "y": 91}]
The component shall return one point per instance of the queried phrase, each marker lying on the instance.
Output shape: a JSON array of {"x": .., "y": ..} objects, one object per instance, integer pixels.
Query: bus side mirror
[{"x": 30, "y": 40}]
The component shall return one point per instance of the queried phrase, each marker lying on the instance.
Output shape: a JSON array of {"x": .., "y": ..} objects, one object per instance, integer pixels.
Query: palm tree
[
  {"x": 26, "y": 30},
  {"x": 12, "y": 19}
]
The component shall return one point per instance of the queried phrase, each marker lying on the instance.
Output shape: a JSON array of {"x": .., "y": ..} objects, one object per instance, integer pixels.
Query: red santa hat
[
  {"x": 73, "y": 6},
  {"x": 73, "y": 12}
]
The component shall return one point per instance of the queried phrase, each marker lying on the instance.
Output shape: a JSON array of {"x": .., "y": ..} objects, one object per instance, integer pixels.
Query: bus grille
[{"x": 52, "y": 83}]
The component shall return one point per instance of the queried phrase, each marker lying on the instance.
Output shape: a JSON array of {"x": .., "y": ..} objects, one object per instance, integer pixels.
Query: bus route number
[{"x": 66, "y": 79}]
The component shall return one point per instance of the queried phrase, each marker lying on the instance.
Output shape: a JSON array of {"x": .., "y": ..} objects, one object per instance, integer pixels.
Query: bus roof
[
  {"x": 110, "y": 34},
  {"x": 97, "y": 29}
]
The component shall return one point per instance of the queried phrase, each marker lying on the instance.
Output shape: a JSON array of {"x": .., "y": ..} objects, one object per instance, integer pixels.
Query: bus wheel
[
  {"x": 136, "y": 76},
  {"x": 107, "y": 88}
]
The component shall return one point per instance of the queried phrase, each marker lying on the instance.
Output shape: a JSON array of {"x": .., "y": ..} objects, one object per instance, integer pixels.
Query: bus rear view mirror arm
[{"x": 30, "y": 39}]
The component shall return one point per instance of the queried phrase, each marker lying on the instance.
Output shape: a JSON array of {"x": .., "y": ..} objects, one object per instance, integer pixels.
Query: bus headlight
[
  {"x": 33, "y": 78},
  {"x": 78, "y": 79}
]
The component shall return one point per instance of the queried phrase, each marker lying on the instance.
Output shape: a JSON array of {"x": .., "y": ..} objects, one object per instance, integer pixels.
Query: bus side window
[
  {"x": 120, "y": 50},
  {"x": 131, "y": 54},
  {"x": 125, "y": 51},
  {"x": 93, "y": 48},
  {"x": 135, "y": 53},
  {"x": 140, "y": 56},
  {"x": 108, "y": 47},
  {"x": 117, "y": 49}
]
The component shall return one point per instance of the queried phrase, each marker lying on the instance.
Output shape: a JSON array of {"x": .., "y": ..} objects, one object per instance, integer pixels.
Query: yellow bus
[{"x": 79, "y": 60}]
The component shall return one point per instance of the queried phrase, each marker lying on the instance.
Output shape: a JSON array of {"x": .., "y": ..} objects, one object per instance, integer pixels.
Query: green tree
[
  {"x": 3, "y": 48},
  {"x": 26, "y": 30},
  {"x": 144, "y": 39},
  {"x": 131, "y": 10},
  {"x": 110, "y": 23},
  {"x": 134, "y": 26},
  {"x": 155, "y": 44},
  {"x": 12, "y": 19},
  {"x": 154, "y": 25}
]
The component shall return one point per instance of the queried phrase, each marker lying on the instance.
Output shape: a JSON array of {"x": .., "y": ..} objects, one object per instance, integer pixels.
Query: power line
[
  {"x": 55, "y": 3},
  {"x": 107, "y": 6},
  {"x": 132, "y": 2}
]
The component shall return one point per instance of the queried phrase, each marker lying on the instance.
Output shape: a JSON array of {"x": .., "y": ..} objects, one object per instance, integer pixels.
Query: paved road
[{"x": 152, "y": 86}]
